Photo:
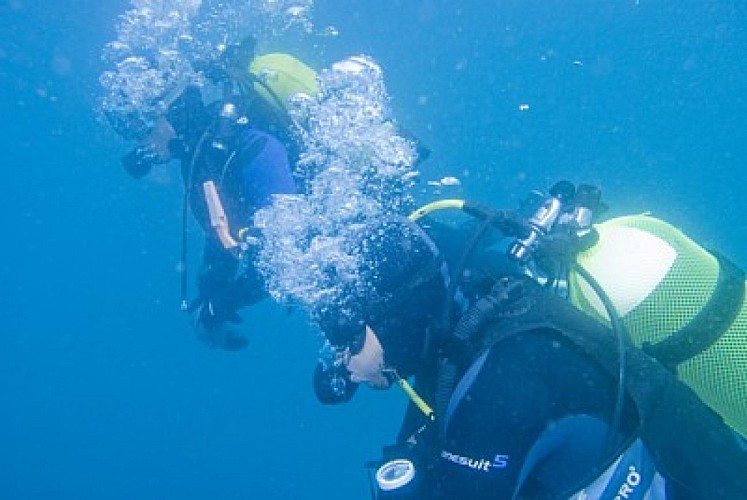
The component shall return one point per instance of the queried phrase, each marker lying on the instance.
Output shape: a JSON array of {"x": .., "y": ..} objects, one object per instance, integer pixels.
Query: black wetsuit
[{"x": 530, "y": 418}]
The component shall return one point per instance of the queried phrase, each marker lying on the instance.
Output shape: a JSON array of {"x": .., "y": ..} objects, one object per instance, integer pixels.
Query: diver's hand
[{"x": 217, "y": 330}]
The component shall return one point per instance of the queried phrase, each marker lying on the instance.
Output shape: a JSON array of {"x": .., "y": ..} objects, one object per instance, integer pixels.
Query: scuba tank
[
  {"x": 265, "y": 85},
  {"x": 276, "y": 78},
  {"x": 679, "y": 303},
  {"x": 280, "y": 78}
]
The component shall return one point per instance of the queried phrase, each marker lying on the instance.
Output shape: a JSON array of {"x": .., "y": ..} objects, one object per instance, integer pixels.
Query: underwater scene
[{"x": 206, "y": 243}]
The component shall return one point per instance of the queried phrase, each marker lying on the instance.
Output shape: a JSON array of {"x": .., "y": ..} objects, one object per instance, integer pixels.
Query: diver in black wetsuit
[{"x": 524, "y": 387}]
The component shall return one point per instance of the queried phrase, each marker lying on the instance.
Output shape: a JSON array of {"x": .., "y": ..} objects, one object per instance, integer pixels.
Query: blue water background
[{"x": 104, "y": 393}]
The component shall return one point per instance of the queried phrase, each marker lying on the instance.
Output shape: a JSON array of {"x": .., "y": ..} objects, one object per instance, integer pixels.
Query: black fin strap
[{"x": 709, "y": 324}]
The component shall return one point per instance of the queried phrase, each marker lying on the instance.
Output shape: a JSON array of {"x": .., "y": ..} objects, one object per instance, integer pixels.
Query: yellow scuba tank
[
  {"x": 680, "y": 303},
  {"x": 280, "y": 77}
]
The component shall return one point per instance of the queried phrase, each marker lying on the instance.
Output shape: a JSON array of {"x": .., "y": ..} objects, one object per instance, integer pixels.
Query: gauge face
[{"x": 395, "y": 474}]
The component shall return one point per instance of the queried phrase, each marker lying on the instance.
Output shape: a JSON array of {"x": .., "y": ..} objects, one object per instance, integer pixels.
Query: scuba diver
[
  {"x": 235, "y": 155},
  {"x": 519, "y": 392}
]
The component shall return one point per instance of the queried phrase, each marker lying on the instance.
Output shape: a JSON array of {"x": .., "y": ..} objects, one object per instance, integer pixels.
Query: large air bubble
[{"x": 357, "y": 169}]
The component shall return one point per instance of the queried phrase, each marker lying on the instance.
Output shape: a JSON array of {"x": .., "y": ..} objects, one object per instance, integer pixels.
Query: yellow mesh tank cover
[
  {"x": 658, "y": 280},
  {"x": 285, "y": 76}
]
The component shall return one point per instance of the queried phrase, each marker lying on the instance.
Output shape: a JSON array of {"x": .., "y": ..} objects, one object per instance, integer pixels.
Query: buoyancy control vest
[
  {"x": 695, "y": 451},
  {"x": 679, "y": 303}
]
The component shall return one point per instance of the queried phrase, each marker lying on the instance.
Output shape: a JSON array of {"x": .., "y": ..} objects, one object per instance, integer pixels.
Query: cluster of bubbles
[
  {"x": 357, "y": 169},
  {"x": 163, "y": 45}
]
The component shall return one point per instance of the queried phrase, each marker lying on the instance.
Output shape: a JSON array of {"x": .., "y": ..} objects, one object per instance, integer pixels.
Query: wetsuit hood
[{"x": 399, "y": 289}]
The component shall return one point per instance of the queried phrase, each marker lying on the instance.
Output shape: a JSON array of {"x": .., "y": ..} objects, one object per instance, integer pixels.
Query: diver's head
[
  {"x": 232, "y": 64},
  {"x": 188, "y": 114},
  {"x": 167, "y": 136},
  {"x": 382, "y": 325}
]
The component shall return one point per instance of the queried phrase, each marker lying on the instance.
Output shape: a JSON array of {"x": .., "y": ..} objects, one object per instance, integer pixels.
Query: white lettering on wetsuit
[
  {"x": 481, "y": 464},
  {"x": 632, "y": 480}
]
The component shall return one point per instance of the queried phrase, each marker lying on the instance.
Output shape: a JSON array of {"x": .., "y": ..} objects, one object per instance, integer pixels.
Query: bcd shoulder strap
[{"x": 709, "y": 324}]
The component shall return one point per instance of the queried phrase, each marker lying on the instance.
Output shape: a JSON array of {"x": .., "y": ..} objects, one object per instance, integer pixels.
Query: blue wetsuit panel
[{"x": 266, "y": 172}]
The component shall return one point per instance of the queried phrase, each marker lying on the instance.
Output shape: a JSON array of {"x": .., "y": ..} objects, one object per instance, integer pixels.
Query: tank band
[{"x": 709, "y": 324}]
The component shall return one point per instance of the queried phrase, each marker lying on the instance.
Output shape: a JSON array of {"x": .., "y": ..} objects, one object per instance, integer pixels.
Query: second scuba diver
[{"x": 235, "y": 155}]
